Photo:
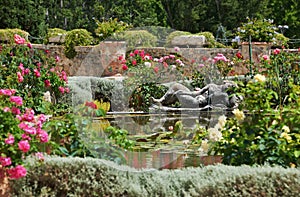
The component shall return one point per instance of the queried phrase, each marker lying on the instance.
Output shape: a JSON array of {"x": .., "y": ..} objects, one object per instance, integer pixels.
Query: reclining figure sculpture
[{"x": 212, "y": 95}]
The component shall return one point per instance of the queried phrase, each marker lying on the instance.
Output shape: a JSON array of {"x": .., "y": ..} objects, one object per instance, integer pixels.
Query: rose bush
[
  {"x": 21, "y": 131},
  {"x": 32, "y": 72},
  {"x": 27, "y": 75}
]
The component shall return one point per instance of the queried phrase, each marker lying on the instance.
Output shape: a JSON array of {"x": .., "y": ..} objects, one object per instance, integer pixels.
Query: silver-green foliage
[{"x": 95, "y": 177}]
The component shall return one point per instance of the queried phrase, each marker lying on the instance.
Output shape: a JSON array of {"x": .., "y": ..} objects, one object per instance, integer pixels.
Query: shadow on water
[{"x": 157, "y": 152}]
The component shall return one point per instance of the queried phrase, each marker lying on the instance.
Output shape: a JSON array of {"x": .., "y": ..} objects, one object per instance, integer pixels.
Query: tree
[{"x": 28, "y": 15}]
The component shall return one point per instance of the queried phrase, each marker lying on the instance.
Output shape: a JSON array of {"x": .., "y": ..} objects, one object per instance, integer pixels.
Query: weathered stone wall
[{"x": 102, "y": 59}]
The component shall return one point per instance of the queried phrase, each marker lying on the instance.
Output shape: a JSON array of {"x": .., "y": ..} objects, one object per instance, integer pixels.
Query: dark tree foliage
[{"x": 189, "y": 15}]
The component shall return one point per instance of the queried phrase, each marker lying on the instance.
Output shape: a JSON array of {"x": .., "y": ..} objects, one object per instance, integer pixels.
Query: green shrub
[
  {"x": 174, "y": 34},
  {"x": 137, "y": 38},
  {"x": 76, "y": 37},
  {"x": 7, "y": 35},
  {"x": 107, "y": 28},
  {"x": 95, "y": 177}
]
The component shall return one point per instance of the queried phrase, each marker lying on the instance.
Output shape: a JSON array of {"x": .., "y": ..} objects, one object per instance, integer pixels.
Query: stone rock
[
  {"x": 57, "y": 39},
  {"x": 188, "y": 41}
]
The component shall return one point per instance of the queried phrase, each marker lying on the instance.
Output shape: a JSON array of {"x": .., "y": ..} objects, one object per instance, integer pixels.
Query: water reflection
[{"x": 172, "y": 153}]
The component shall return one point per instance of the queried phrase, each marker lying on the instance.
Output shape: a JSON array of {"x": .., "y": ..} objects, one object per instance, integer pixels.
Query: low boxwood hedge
[{"x": 95, "y": 177}]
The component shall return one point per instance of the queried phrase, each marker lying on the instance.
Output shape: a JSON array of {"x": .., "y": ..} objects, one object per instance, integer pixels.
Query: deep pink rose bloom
[
  {"x": 20, "y": 77},
  {"x": 28, "y": 129},
  {"x": 15, "y": 110},
  {"x": 266, "y": 57},
  {"x": 21, "y": 66},
  {"x": 57, "y": 58},
  {"x": 28, "y": 115},
  {"x": 136, "y": 52},
  {"x": 125, "y": 67},
  {"x": 25, "y": 137},
  {"x": 7, "y": 92},
  {"x": 10, "y": 139},
  {"x": 17, "y": 172},
  {"x": 276, "y": 51},
  {"x": 43, "y": 135},
  {"x": 47, "y": 83},
  {"x": 67, "y": 90},
  {"x": 16, "y": 99},
  {"x": 19, "y": 39},
  {"x": 37, "y": 73},
  {"x": 61, "y": 89},
  {"x": 29, "y": 45},
  {"x": 133, "y": 62},
  {"x": 5, "y": 161},
  {"x": 24, "y": 146},
  {"x": 156, "y": 69}
]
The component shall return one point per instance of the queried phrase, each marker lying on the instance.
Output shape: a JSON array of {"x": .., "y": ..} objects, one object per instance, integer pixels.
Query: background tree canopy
[{"x": 35, "y": 16}]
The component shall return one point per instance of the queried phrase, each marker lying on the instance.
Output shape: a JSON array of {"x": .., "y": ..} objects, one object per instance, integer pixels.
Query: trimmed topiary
[{"x": 76, "y": 37}]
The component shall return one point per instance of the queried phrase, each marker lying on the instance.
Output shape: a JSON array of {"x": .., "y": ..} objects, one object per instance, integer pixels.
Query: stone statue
[{"x": 212, "y": 95}]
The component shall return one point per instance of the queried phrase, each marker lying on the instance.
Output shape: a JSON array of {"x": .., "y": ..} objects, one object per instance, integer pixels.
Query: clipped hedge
[
  {"x": 137, "y": 38},
  {"x": 95, "y": 177}
]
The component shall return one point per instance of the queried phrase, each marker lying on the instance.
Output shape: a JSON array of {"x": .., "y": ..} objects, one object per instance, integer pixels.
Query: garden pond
[{"x": 163, "y": 139}]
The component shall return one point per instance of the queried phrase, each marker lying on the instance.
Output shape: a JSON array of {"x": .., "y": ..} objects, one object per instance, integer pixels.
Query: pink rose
[
  {"x": 6, "y": 109},
  {"x": 15, "y": 110},
  {"x": 124, "y": 67},
  {"x": 19, "y": 39},
  {"x": 10, "y": 139},
  {"x": 17, "y": 172},
  {"x": 43, "y": 135},
  {"x": 67, "y": 90},
  {"x": 7, "y": 92},
  {"x": 29, "y": 45},
  {"x": 25, "y": 137},
  {"x": 156, "y": 69},
  {"x": 24, "y": 146},
  {"x": 133, "y": 62},
  {"x": 26, "y": 71},
  {"x": 28, "y": 129},
  {"x": 17, "y": 100},
  {"x": 61, "y": 89},
  {"x": 57, "y": 58},
  {"x": 28, "y": 115},
  {"x": 276, "y": 51},
  {"x": 21, "y": 66},
  {"x": 47, "y": 83},
  {"x": 266, "y": 57},
  {"x": 5, "y": 161},
  {"x": 37, "y": 73},
  {"x": 20, "y": 77},
  {"x": 40, "y": 156},
  {"x": 177, "y": 49}
]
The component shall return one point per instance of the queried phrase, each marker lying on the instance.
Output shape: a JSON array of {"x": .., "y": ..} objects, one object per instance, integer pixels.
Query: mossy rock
[
  {"x": 174, "y": 34},
  {"x": 55, "y": 35}
]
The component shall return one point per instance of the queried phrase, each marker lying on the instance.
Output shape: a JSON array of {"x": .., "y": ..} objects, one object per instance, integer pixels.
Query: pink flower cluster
[
  {"x": 139, "y": 57},
  {"x": 220, "y": 57},
  {"x": 19, "y": 39},
  {"x": 30, "y": 125}
]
